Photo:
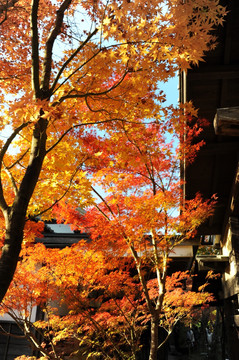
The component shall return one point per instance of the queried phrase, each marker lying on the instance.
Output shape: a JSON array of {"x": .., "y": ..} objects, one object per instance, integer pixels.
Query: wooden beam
[
  {"x": 218, "y": 72},
  {"x": 226, "y": 121},
  {"x": 214, "y": 262}
]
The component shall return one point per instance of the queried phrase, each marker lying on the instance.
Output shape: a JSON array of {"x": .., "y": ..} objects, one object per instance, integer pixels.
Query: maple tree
[
  {"x": 66, "y": 65},
  {"x": 117, "y": 285},
  {"x": 144, "y": 214},
  {"x": 106, "y": 311}
]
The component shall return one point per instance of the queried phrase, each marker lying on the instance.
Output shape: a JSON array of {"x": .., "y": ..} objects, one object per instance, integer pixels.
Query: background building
[{"x": 213, "y": 87}]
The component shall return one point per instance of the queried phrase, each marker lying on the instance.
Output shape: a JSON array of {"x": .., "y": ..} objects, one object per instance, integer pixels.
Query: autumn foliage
[
  {"x": 117, "y": 286},
  {"x": 106, "y": 309},
  {"x": 82, "y": 111}
]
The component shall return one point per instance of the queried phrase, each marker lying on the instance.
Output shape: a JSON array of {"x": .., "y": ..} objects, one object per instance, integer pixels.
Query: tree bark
[
  {"x": 15, "y": 215},
  {"x": 11, "y": 250},
  {"x": 154, "y": 338}
]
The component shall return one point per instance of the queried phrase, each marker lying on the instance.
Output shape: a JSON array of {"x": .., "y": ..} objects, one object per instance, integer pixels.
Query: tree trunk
[
  {"x": 154, "y": 339},
  {"x": 11, "y": 250},
  {"x": 15, "y": 215}
]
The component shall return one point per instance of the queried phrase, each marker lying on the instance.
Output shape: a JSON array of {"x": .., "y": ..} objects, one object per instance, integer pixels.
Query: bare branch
[
  {"x": 17, "y": 161},
  {"x": 95, "y": 111},
  {"x": 102, "y": 212},
  {"x": 70, "y": 59},
  {"x": 49, "y": 47},
  {"x": 76, "y": 70},
  {"x": 149, "y": 171},
  {"x": 14, "y": 185},
  {"x": 4, "y": 7},
  {"x": 3, "y": 151},
  {"x": 85, "y": 124},
  {"x": 104, "y": 201},
  {"x": 35, "y": 48},
  {"x": 77, "y": 94},
  {"x": 133, "y": 251},
  {"x": 65, "y": 192},
  {"x": 62, "y": 136},
  {"x": 166, "y": 339},
  {"x": 10, "y": 139}
]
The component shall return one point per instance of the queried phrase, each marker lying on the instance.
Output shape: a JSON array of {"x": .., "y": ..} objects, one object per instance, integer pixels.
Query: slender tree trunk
[{"x": 154, "y": 338}]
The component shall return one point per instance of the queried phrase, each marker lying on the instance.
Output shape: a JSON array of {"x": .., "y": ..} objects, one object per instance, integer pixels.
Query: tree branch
[
  {"x": 150, "y": 172},
  {"x": 11, "y": 179},
  {"x": 3, "y": 204},
  {"x": 70, "y": 59},
  {"x": 77, "y": 94},
  {"x": 104, "y": 201},
  {"x": 95, "y": 111},
  {"x": 65, "y": 192},
  {"x": 85, "y": 124},
  {"x": 75, "y": 71},
  {"x": 49, "y": 47},
  {"x": 165, "y": 340},
  {"x": 17, "y": 161},
  {"x": 35, "y": 48},
  {"x": 10, "y": 139},
  {"x": 5, "y": 7}
]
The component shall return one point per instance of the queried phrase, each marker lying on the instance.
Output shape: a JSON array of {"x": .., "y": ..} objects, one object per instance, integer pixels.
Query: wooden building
[{"x": 213, "y": 87}]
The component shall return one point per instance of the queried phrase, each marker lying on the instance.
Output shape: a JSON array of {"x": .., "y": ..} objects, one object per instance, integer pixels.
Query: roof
[
  {"x": 60, "y": 236},
  {"x": 213, "y": 85}
]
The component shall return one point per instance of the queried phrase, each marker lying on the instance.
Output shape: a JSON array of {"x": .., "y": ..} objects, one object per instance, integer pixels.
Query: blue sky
[{"x": 171, "y": 90}]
